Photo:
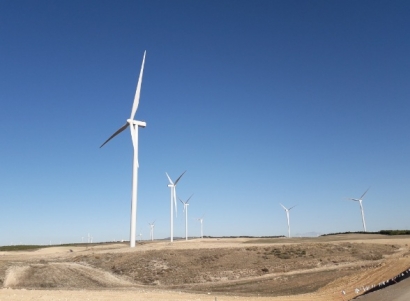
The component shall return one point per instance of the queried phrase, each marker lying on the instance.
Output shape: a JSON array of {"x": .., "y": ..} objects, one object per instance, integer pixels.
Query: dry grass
[{"x": 251, "y": 267}]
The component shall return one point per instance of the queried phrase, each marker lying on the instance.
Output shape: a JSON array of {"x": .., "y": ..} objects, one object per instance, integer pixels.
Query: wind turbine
[
  {"x": 134, "y": 125},
  {"x": 201, "y": 220},
  {"x": 287, "y": 215},
  {"x": 173, "y": 185},
  {"x": 151, "y": 230},
  {"x": 186, "y": 215},
  {"x": 360, "y": 200}
]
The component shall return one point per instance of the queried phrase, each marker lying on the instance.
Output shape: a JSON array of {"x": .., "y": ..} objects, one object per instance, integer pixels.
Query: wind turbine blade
[
  {"x": 292, "y": 207},
  {"x": 284, "y": 207},
  {"x": 179, "y": 177},
  {"x": 183, "y": 210},
  {"x": 116, "y": 133},
  {"x": 170, "y": 181},
  {"x": 189, "y": 199},
  {"x": 175, "y": 201},
  {"x": 364, "y": 193},
  {"x": 138, "y": 91}
]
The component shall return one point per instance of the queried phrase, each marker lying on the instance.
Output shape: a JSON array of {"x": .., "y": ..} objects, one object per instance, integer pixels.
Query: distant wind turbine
[
  {"x": 151, "y": 230},
  {"x": 201, "y": 220},
  {"x": 287, "y": 215},
  {"x": 186, "y": 215},
  {"x": 173, "y": 186},
  {"x": 134, "y": 125},
  {"x": 360, "y": 200}
]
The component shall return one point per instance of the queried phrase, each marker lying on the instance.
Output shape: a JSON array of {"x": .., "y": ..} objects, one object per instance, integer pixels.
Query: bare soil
[{"x": 299, "y": 268}]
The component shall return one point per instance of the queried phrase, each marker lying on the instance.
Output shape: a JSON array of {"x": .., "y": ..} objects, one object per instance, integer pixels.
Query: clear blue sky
[{"x": 299, "y": 102}]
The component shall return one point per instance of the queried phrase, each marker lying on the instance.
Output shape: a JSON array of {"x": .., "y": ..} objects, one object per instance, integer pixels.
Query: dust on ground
[{"x": 205, "y": 269}]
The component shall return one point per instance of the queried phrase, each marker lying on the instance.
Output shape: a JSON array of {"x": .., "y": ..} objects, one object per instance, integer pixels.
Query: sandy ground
[
  {"x": 388, "y": 268},
  {"x": 134, "y": 295},
  {"x": 399, "y": 292}
]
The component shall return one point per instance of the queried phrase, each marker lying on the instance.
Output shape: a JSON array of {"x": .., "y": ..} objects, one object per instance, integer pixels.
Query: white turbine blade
[
  {"x": 284, "y": 207},
  {"x": 183, "y": 210},
  {"x": 364, "y": 193},
  {"x": 170, "y": 181},
  {"x": 189, "y": 199},
  {"x": 116, "y": 133},
  {"x": 138, "y": 91},
  {"x": 179, "y": 177},
  {"x": 175, "y": 201},
  {"x": 292, "y": 207}
]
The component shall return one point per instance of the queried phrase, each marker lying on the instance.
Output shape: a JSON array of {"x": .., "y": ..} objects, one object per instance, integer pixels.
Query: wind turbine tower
[
  {"x": 186, "y": 215},
  {"x": 134, "y": 125},
  {"x": 151, "y": 230},
  {"x": 360, "y": 200},
  {"x": 173, "y": 186},
  {"x": 201, "y": 220},
  {"x": 287, "y": 215}
]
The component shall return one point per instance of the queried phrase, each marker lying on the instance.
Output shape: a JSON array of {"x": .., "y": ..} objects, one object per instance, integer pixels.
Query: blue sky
[{"x": 299, "y": 102}]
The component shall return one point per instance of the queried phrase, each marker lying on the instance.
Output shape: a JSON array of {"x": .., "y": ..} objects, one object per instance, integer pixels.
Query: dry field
[{"x": 297, "y": 269}]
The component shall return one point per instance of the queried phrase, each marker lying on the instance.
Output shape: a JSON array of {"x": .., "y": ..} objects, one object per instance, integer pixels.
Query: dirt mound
[
  {"x": 268, "y": 270},
  {"x": 314, "y": 269},
  {"x": 61, "y": 275}
]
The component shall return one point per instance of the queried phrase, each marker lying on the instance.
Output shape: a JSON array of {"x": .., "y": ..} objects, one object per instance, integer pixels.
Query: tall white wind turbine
[
  {"x": 287, "y": 215},
  {"x": 173, "y": 186},
  {"x": 134, "y": 125},
  {"x": 186, "y": 215},
  {"x": 360, "y": 200},
  {"x": 201, "y": 220},
  {"x": 151, "y": 230}
]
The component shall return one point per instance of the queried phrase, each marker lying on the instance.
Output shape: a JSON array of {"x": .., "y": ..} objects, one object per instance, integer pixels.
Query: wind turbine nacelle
[
  {"x": 169, "y": 185},
  {"x": 141, "y": 124}
]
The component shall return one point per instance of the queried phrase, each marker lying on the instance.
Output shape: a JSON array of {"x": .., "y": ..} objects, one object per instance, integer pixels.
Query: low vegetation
[
  {"x": 382, "y": 232},
  {"x": 210, "y": 269},
  {"x": 21, "y": 248},
  {"x": 255, "y": 266},
  {"x": 36, "y": 247}
]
